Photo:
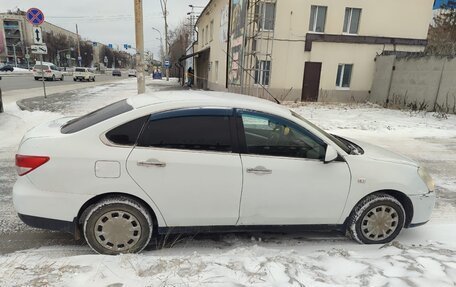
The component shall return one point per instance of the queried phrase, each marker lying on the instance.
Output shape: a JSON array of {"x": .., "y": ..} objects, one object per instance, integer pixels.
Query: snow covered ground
[{"x": 423, "y": 256}]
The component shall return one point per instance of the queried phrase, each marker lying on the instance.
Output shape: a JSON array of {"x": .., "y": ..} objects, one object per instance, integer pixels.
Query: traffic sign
[
  {"x": 35, "y": 16},
  {"x": 39, "y": 49},
  {"x": 106, "y": 59},
  {"x": 68, "y": 56},
  {"x": 37, "y": 35},
  {"x": 167, "y": 64},
  {"x": 110, "y": 46},
  {"x": 126, "y": 46},
  {"x": 79, "y": 58},
  {"x": 94, "y": 44},
  {"x": 27, "y": 56}
]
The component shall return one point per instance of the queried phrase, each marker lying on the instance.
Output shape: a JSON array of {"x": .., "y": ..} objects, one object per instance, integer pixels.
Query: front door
[
  {"x": 285, "y": 178},
  {"x": 184, "y": 162},
  {"x": 311, "y": 82}
]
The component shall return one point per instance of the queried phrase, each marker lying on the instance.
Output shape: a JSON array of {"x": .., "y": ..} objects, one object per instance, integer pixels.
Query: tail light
[
  {"x": 28, "y": 163},
  {"x": 48, "y": 71},
  {"x": 34, "y": 70}
]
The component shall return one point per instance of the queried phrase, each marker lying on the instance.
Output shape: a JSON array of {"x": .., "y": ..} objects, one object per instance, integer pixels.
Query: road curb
[{"x": 22, "y": 106}]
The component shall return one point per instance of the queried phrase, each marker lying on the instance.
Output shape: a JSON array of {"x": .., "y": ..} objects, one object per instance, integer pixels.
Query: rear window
[
  {"x": 128, "y": 133},
  {"x": 96, "y": 117},
  {"x": 41, "y": 67},
  {"x": 80, "y": 70}
]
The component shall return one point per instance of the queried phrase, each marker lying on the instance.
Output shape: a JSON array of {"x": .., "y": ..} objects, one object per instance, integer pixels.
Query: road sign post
[{"x": 36, "y": 18}]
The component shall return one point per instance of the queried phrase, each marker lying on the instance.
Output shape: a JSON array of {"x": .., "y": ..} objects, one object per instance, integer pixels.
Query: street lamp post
[
  {"x": 14, "y": 51},
  {"x": 161, "y": 44}
]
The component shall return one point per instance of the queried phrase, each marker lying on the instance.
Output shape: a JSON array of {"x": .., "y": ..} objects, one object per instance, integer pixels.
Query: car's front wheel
[
  {"x": 377, "y": 219},
  {"x": 118, "y": 225}
]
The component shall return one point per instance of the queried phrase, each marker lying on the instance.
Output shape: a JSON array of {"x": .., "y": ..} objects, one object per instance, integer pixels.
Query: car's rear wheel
[
  {"x": 377, "y": 219},
  {"x": 53, "y": 78},
  {"x": 62, "y": 78},
  {"x": 118, "y": 225}
]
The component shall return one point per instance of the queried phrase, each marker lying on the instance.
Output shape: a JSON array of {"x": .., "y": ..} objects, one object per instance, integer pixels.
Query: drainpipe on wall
[
  {"x": 390, "y": 82},
  {"x": 440, "y": 83},
  {"x": 228, "y": 44}
]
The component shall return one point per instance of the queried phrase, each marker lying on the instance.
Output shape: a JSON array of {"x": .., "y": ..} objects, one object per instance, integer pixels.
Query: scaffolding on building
[{"x": 258, "y": 45}]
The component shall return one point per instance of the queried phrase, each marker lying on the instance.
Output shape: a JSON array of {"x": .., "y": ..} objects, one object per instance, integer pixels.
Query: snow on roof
[{"x": 205, "y": 98}]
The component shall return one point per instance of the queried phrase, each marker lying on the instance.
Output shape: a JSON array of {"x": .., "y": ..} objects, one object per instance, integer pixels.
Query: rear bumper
[
  {"x": 50, "y": 224},
  {"x": 422, "y": 208},
  {"x": 47, "y": 206}
]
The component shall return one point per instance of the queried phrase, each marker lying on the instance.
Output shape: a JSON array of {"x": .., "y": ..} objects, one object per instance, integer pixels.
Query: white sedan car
[{"x": 187, "y": 161}]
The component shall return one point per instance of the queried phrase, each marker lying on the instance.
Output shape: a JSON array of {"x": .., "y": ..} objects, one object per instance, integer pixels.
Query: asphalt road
[{"x": 12, "y": 82}]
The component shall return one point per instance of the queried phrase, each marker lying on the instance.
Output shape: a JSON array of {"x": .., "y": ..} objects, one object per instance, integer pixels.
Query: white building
[{"x": 304, "y": 50}]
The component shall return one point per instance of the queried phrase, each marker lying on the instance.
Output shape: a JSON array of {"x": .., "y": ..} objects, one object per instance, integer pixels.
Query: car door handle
[
  {"x": 152, "y": 162},
  {"x": 260, "y": 170}
]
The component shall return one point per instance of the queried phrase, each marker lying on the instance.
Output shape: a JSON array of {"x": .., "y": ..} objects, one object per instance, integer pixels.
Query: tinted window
[
  {"x": 96, "y": 117},
  {"x": 211, "y": 133},
  {"x": 80, "y": 70},
  {"x": 128, "y": 133},
  {"x": 266, "y": 135}
]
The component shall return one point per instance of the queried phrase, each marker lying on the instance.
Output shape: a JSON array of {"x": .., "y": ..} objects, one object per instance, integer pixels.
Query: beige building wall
[
  {"x": 212, "y": 40},
  {"x": 404, "y": 19},
  {"x": 389, "y": 18}
]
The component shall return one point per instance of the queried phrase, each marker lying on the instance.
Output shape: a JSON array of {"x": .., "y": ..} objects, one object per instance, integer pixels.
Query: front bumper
[{"x": 422, "y": 208}]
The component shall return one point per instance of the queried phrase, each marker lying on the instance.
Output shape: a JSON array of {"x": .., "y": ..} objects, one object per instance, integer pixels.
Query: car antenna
[{"x": 245, "y": 70}]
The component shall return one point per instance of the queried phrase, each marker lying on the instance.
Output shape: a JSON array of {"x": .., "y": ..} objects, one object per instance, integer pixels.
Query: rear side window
[
  {"x": 208, "y": 133},
  {"x": 96, "y": 117},
  {"x": 128, "y": 133},
  {"x": 80, "y": 70}
]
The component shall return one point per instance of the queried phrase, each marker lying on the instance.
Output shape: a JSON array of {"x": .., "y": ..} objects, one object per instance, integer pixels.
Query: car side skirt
[{"x": 250, "y": 228}]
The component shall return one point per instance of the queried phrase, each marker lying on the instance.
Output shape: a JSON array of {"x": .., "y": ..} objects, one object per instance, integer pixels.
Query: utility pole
[
  {"x": 79, "y": 47},
  {"x": 139, "y": 28},
  {"x": 163, "y": 4}
]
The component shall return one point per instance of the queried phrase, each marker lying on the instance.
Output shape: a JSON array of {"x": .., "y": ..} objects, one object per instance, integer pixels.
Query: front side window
[
  {"x": 317, "y": 18},
  {"x": 207, "y": 133},
  {"x": 267, "y": 135},
  {"x": 344, "y": 72},
  {"x": 262, "y": 72},
  {"x": 351, "y": 21}
]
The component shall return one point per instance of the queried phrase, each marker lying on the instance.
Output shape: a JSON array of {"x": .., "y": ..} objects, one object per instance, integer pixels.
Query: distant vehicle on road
[
  {"x": 193, "y": 162},
  {"x": 132, "y": 73},
  {"x": 6, "y": 68},
  {"x": 83, "y": 74},
  {"x": 117, "y": 73},
  {"x": 49, "y": 70}
]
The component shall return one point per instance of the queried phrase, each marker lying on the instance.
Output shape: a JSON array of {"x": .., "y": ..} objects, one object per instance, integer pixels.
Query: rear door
[
  {"x": 186, "y": 161},
  {"x": 311, "y": 82}
]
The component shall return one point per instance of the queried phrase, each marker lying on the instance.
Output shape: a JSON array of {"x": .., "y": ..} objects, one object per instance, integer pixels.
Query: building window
[
  {"x": 212, "y": 30},
  {"x": 317, "y": 18},
  {"x": 344, "y": 72},
  {"x": 262, "y": 72},
  {"x": 207, "y": 32},
  {"x": 351, "y": 21},
  {"x": 267, "y": 15},
  {"x": 202, "y": 35}
]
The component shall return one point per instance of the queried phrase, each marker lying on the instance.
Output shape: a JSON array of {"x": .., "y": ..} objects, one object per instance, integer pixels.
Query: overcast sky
[{"x": 108, "y": 21}]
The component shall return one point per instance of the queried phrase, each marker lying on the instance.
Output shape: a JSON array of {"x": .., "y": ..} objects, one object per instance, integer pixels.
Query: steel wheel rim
[
  {"x": 379, "y": 223},
  {"x": 117, "y": 230}
]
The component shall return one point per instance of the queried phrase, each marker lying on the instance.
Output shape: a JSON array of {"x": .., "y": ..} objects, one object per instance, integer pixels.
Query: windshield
[
  {"x": 41, "y": 67},
  {"x": 334, "y": 139}
]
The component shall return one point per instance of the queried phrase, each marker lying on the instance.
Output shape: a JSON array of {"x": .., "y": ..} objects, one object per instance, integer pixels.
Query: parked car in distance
[
  {"x": 83, "y": 74},
  {"x": 188, "y": 161},
  {"x": 7, "y": 68},
  {"x": 48, "y": 70},
  {"x": 117, "y": 73},
  {"x": 132, "y": 73}
]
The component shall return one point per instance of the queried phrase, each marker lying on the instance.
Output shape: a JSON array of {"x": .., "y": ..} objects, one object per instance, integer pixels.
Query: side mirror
[{"x": 331, "y": 154}]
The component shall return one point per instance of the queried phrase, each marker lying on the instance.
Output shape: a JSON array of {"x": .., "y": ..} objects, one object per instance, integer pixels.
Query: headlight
[{"x": 426, "y": 178}]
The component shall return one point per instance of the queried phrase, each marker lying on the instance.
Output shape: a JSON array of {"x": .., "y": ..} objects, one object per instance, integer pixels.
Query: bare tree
[{"x": 442, "y": 34}]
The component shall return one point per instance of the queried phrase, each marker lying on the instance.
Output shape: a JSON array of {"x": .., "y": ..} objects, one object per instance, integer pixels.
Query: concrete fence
[{"x": 424, "y": 83}]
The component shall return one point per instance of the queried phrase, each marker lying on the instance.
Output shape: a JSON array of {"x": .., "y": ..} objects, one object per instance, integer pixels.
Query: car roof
[{"x": 206, "y": 98}]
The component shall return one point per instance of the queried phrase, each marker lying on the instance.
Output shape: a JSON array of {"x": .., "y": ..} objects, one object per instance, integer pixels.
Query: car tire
[
  {"x": 377, "y": 219},
  {"x": 37, "y": 78},
  {"x": 74, "y": 79},
  {"x": 117, "y": 225},
  {"x": 93, "y": 79},
  {"x": 53, "y": 78},
  {"x": 62, "y": 78}
]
